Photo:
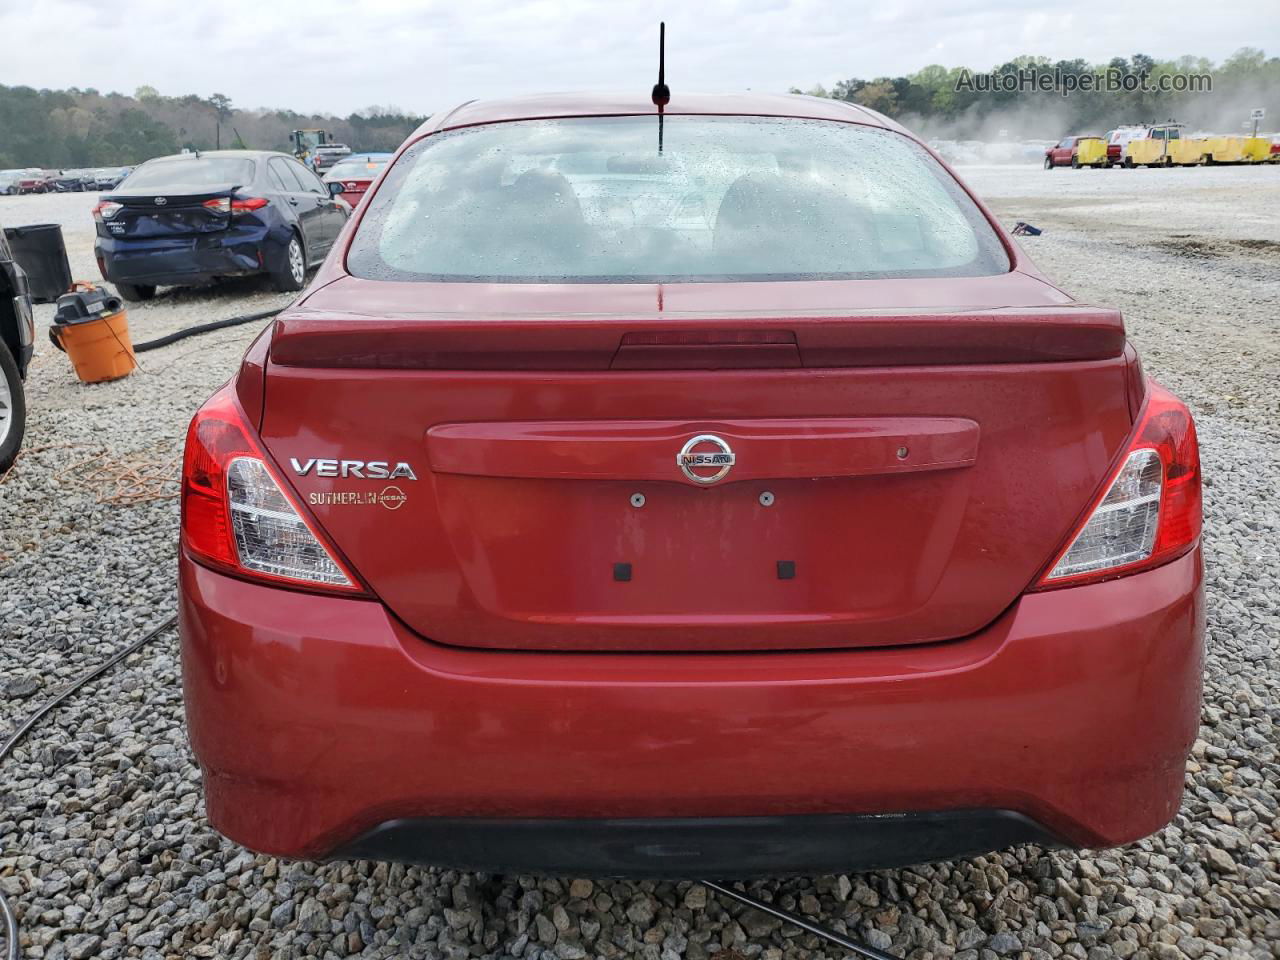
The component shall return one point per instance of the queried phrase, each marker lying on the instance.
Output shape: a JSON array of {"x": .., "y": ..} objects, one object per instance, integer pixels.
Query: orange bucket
[{"x": 99, "y": 349}]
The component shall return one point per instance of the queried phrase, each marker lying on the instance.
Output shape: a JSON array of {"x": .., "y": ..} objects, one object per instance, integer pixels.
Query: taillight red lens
[
  {"x": 237, "y": 515},
  {"x": 249, "y": 203},
  {"x": 215, "y": 437},
  {"x": 106, "y": 209},
  {"x": 1159, "y": 474}
]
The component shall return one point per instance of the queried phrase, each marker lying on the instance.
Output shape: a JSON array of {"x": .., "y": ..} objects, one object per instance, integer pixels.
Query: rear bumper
[
  {"x": 696, "y": 846},
  {"x": 164, "y": 261},
  {"x": 325, "y": 728}
]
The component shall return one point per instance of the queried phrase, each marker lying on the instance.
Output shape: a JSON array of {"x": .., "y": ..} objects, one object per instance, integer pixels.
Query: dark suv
[{"x": 17, "y": 342}]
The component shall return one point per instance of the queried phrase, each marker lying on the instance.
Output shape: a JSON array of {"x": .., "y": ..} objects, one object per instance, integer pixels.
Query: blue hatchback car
[{"x": 192, "y": 218}]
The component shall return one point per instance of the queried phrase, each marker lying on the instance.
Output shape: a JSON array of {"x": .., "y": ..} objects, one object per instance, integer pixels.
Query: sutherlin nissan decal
[{"x": 360, "y": 469}]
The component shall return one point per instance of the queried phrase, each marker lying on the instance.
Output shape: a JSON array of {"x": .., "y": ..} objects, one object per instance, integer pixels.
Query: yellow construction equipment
[
  {"x": 1157, "y": 148},
  {"x": 1146, "y": 152},
  {"x": 1225, "y": 149},
  {"x": 1091, "y": 152},
  {"x": 1190, "y": 151},
  {"x": 1257, "y": 149},
  {"x": 1165, "y": 145}
]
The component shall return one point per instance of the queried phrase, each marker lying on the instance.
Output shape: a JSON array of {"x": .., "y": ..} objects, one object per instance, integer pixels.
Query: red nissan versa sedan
[{"x": 744, "y": 505}]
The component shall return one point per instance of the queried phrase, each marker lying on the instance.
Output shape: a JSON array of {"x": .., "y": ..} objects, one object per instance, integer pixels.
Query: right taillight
[
  {"x": 235, "y": 207},
  {"x": 1150, "y": 511},
  {"x": 237, "y": 515}
]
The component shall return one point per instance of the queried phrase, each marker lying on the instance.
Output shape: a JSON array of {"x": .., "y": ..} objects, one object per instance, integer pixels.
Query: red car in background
[
  {"x": 35, "y": 183},
  {"x": 708, "y": 493},
  {"x": 1065, "y": 152},
  {"x": 353, "y": 175}
]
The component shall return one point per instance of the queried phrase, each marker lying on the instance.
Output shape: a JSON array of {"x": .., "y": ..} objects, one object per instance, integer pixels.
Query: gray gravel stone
[
  {"x": 282, "y": 915},
  {"x": 19, "y": 688},
  {"x": 83, "y": 945}
]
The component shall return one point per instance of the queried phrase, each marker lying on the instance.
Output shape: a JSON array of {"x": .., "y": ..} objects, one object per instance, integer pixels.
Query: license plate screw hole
[
  {"x": 637, "y": 500},
  {"x": 902, "y": 453},
  {"x": 766, "y": 499}
]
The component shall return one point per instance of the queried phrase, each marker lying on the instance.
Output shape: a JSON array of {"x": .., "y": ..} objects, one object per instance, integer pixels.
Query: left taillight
[
  {"x": 1150, "y": 511},
  {"x": 106, "y": 209},
  {"x": 237, "y": 515}
]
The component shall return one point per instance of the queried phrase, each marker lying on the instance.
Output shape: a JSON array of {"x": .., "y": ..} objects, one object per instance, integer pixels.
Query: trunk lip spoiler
[{"x": 310, "y": 338}]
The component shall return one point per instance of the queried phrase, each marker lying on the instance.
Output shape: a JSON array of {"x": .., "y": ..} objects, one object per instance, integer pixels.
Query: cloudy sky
[{"x": 342, "y": 55}]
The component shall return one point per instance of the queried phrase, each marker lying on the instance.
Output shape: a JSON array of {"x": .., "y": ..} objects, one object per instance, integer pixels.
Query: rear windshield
[
  {"x": 727, "y": 198},
  {"x": 193, "y": 172}
]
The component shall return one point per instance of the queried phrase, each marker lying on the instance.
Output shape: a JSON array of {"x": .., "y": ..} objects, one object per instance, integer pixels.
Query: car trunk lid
[
  {"x": 171, "y": 211},
  {"x": 886, "y": 475}
]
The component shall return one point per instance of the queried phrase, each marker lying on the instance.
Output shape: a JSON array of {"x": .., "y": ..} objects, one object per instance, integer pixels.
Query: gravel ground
[{"x": 104, "y": 848}]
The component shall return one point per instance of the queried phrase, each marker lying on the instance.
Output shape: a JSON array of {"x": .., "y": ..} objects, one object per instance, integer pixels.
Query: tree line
[
  {"x": 85, "y": 128},
  {"x": 60, "y": 129},
  {"x": 945, "y": 102}
]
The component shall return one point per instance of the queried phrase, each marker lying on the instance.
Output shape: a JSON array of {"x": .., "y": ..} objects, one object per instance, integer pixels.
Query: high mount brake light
[
  {"x": 1150, "y": 512},
  {"x": 236, "y": 514},
  {"x": 106, "y": 209}
]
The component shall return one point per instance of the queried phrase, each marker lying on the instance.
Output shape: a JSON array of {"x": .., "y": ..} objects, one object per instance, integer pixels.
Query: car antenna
[{"x": 661, "y": 92}]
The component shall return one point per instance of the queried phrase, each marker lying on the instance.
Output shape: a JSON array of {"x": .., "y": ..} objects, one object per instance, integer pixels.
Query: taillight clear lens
[
  {"x": 107, "y": 209},
  {"x": 1151, "y": 512},
  {"x": 270, "y": 537},
  {"x": 236, "y": 515},
  {"x": 1122, "y": 529},
  {"x": 218, "y": 205}
]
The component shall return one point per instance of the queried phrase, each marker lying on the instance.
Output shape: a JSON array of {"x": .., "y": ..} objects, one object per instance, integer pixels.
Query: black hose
[
  {"x": 6, "y": 912},
  {"x": 10, "y": 928},
  {"x": 202, "y": 328},
  {"x": 840, "y": 940}
]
